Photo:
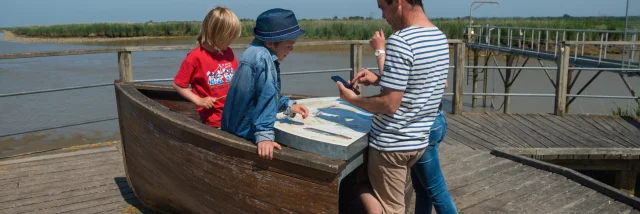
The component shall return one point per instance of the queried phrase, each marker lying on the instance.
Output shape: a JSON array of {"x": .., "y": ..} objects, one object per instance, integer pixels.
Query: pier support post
[
  {"x": 125, "y": 67},
  {"x": 626, "y": 181},
  {"x": 562, "y": 80},
  {"x": 476, "y": 56},
  {"x": 356, "y": 59},
  {"x": 458, "y": 77}
]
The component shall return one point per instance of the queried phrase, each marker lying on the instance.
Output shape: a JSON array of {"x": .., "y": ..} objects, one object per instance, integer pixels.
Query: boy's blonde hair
[{"x": 219, "y": 28}]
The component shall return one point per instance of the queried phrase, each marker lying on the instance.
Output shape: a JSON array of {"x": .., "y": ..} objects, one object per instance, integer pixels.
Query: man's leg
[{"x": 388, "y": 175}]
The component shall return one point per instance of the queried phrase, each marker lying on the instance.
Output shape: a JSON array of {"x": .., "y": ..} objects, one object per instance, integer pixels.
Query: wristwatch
[{"x": 378, "y": 52}]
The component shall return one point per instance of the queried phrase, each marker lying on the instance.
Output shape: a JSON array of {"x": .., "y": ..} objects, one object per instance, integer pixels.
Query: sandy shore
[{"x": 10, "y": 36}]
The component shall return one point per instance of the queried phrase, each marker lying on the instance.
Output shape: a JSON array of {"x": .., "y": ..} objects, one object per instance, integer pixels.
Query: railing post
[
  {"x": 458, "y": 77},
  {"x": 356, "y": 60},
  {"x": 562, "y": 79},
  {"x": 125, "y": 68}
]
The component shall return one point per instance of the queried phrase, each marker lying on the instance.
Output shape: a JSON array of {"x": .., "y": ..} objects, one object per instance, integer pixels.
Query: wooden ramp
[
  {"x": 488, "y": 131},
  {"x": 93, "y": 181}
]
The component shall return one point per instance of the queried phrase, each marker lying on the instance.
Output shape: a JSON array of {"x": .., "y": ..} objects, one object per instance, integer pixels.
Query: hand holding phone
[{"x": 344, "y": 82}]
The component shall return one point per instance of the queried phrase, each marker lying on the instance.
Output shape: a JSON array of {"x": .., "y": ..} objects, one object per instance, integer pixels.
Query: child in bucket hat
[{"x": 254, "y": 96}]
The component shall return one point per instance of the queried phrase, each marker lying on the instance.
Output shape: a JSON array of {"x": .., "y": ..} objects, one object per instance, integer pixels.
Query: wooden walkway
[
  {"x": 480, "y": 181},
  {"x": 488, "y": 131}
]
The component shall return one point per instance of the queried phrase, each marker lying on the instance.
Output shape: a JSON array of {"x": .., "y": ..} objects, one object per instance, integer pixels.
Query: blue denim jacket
[{"x": 254, "y": 96}]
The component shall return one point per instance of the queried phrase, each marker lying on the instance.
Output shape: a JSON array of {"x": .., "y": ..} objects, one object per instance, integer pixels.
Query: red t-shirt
[{"x": 209, "y": 75}]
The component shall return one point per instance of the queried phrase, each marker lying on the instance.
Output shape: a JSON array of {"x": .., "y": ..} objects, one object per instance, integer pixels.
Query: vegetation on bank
[
  {"x": 346, "y": 28},
  {"x": 630, "y": 112}
]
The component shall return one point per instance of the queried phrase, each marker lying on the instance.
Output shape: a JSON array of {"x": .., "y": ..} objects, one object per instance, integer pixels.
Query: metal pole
[
  {"x": 584, "y": 34},
  {"x": 606, "y": 39},
  {"x": 546, "y": 43},
  {"x": 600, "y": 56},
  {"x": 499, "y": 37},
  {"x": 626, "y": 25},
  {"x": 556, "y": 51}
]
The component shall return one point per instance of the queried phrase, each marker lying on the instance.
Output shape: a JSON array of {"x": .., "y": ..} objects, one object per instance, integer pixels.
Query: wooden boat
[{"x": 175, "y": 164}]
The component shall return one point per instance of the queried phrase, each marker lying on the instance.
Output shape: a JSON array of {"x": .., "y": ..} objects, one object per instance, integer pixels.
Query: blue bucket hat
[{"x": 277, "y": 25}]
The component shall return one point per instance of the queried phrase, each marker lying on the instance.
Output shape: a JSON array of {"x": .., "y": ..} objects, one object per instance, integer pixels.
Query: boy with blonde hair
[{"x": 209, "y": 68}]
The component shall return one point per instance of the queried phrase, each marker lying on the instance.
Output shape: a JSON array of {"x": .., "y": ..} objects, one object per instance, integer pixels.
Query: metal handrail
[
  {"x": 58, "y": 127},
  {"x": 552, "y": 29}
]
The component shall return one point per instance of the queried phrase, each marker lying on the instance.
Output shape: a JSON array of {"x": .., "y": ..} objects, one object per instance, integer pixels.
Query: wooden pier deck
[{"x": 479, "y": 178}]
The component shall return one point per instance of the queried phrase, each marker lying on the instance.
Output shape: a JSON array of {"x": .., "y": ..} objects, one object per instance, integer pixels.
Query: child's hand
[
  {"x": 206, "y": 102},
  {"x": 300, "y": 109},
  {"x": 265, "y": 149}
]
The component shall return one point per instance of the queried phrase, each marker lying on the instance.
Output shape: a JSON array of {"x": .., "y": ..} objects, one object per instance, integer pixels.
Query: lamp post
[{"x": 471, "y": 9}]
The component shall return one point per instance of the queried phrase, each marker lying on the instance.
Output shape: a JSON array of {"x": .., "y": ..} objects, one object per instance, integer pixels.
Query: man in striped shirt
[{"x": 416, "y": 64}]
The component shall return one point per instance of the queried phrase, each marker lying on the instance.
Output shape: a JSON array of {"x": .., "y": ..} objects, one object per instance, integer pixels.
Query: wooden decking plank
[
  {"x": 65, "y": 154},
  {"x": 448, "y": 140},
  {"x": 619, "y": 129},
  {"x": 106, "y": 170},
  {"x": 596, "y": 126},
  {"x": 534, "y": 139},
  {"x": 562, "y": 132},
  {"x": 117, "y": 185},
  {"x": 613, "y": 207},
  {"x": 118, "y": 207},
  {"x": 614, "y": 122},
  {"x": 519, "y": 172},
  {"x": 475, "y": 137},
  {"x": 60, "y": 169},
  {"x": 481, "y": 173},
  {"x": 502, "y": 129},
  {"x": 52, "y": 205},
  {"x": 452, "y": 133},
  {"x": 573, "y": 196},
  {"x": 59, "y": 161},
  {"x": 626, "y": 124},
  {"x": 9, "y": 184},
  {"x": 539, "y": 197},
  {"x": 474, "y": 168},
  {"x": 591, "y": 129},
  {"x": 491, "y": 129},
  {"x": 604, "y": 125},
  {"x": 594, "y": 139},
  {"x": 502, "y": 199},
  {"x": 132, "y": 209},
  {"x": 534, "y": 131},
  {"x": 548, "y": 132},
  {"x": 88, "y": 202},
  {"x": 593, "y": 202},
  {"x": 64, "y": 186},
  {"x": 453, "y": 158},
  {"x": 522, "y": 138},
  {"x": 457, "y": 169},
  {"x": 472, "y": 199},
  {"x": 479, "y": 132}
]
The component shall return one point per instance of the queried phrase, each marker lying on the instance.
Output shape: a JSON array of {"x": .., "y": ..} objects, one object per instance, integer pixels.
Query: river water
[{"x": 37, "y": 111}]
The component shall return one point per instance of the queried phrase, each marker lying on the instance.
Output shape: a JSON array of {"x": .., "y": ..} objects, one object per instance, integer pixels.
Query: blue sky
[{"x": 48, "y": 12}]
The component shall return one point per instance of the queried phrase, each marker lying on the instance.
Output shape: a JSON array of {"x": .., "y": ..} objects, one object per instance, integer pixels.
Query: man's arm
[{"x": 387, "y": 102}]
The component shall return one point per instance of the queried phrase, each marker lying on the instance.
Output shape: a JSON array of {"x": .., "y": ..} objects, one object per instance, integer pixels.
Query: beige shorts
[{"x": 388, "y": 176}]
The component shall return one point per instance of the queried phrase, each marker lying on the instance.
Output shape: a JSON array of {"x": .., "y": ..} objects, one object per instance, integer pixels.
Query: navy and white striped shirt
[{"x": 417, "y": 62}]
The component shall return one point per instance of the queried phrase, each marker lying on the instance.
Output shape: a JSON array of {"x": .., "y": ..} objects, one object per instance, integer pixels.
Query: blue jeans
[{"x": 426, "y": 175}]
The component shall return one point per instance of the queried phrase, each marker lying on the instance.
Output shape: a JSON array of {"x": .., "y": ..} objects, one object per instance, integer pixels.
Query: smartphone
[
  {"x": 344, "y": 82},
  {"x": 346, "y": 85}
]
